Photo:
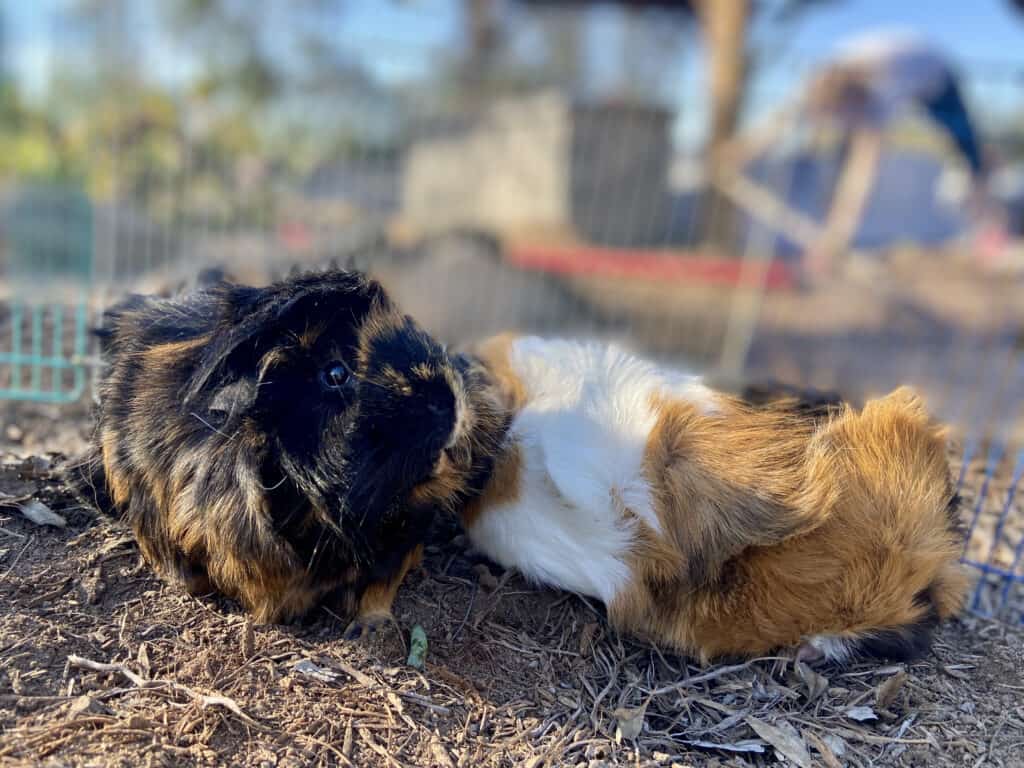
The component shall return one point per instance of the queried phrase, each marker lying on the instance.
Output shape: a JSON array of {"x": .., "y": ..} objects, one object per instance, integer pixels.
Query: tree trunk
[
  {"x": 724, "y": 25},
  {"x": 482, "y": 34}
]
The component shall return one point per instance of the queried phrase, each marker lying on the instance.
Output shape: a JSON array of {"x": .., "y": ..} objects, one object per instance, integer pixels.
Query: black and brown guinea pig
[
  {"x": 285, "y": 445},
  {"x": 716, "y": 526}
]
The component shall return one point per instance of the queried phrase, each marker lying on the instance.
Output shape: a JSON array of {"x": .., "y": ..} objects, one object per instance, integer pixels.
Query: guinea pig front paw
[{"x": 366, "y": 626}]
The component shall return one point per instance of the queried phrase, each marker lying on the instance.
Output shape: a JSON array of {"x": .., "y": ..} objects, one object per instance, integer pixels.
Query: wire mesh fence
[
  {"x": 49, "y": 259},
  {"x": 546, "y": 211}
]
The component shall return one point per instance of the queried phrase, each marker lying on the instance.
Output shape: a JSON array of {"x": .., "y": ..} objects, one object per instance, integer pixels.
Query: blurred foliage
[
  {"x": 136, "y": 145},
  {"x": 29, "y": 142},
  {"x": 270, "y": 93},
  {"x": 222, "y": 145}
]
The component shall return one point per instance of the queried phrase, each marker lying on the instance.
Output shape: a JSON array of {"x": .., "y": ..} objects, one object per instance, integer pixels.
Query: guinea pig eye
[{"x": 335, "y": 375}]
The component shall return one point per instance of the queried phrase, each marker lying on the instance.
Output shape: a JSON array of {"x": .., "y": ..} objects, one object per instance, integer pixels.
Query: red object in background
[
  {"x": 295, "y": 236},
  {"x": 991, "y": 244},
  {"x": 661, "y": 266}
]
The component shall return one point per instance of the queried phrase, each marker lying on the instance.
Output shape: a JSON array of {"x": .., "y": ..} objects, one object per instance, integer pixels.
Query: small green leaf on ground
[{"x": 417, "y": 647}]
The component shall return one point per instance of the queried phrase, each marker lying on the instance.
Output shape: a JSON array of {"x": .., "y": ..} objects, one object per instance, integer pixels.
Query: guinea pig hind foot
[{"x": 366, "y": 626}]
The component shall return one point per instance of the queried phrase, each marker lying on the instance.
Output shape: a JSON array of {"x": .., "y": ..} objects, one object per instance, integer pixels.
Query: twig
[
  {"x": 13, "y": 534},
  {"x": 360, "y": 677},
  {"x": 22, "y": 552},
  {"x": 141, "y": 682},
  {"x": 367, "y": 739},
  {"x": 334, "y": 750},
  {"x": 424, "y": 702},
  {"x": 16, "y": 698},
  {"x": 46, "y": 735},
  {"x": 849, "y": 733},
  {"x": 613, "y": 678},
  {"x": 469, "y": 610},
  {"x": 368, "y": 682},
  {"x": 987, "y": 757},
  {"x": 712, "y": 675}
]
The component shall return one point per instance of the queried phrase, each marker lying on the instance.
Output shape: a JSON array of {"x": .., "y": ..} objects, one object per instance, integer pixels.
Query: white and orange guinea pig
[{"x": 714, "y": 526}]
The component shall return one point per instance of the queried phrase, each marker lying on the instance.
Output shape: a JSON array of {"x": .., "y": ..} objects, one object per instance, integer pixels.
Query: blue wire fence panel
[
  {"x": 46, "y": 262},
  {"x": 994, "y": 549}
]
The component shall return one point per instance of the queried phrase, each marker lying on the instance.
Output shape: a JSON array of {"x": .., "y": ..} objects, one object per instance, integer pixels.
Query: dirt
[{"x": 513, "y": 676}]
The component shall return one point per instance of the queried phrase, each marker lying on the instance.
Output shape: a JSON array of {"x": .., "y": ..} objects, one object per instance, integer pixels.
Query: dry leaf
[
  {"x": 886, "y": 693},
  {"x": 143, "y": 658},
  {"x": 441, "y": 756},
  {"x": 347, "y": 741},
  {"x": 785, "y": 739},
  {"x": 828, "y": 757},
  {"x": 40, "y": 514},
  {"x": 309, "y": 669},
  {"x": 835, "y": 743},
  {"x": 816, "y": 684},
  {"x": 138, "y": 723},
  {"x": 86, "y": 705},
  {"x": 956, "y": 670},
  {"x": 905, "y": 726},
  {"x": 861, "y": 714},
  {"x": 629, "y": 722},
  {"x": 485, "y": 577}
]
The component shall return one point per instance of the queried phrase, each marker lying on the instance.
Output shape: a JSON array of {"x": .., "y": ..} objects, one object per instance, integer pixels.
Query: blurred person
[{"x": 873, "y": 80}]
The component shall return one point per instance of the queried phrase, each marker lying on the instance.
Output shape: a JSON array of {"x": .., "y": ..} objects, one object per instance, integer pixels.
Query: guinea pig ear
[
  {"x": 230, "y": 334},
  {"x": 250, "y": 314}
]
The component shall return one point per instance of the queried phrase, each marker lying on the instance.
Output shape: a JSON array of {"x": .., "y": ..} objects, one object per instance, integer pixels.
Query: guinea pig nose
[{"x": 438, "y": 410}]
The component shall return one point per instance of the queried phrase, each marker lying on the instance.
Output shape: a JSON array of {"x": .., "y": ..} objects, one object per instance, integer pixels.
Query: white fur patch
[
  {"x": 582, "y": 433},
  {"x": 833, "y": 647}
]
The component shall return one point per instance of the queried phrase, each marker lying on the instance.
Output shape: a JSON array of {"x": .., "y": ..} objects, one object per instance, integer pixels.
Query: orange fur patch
[
  {"x": 496, "y": 353},
  {"x": 777, "y": 527},
  {"x": 378, "y": 598},
  {"x": 502, "y": 488}
]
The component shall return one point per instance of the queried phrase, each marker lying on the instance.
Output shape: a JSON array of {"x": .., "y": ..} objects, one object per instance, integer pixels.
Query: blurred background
[{"x": 731, "y": 186}]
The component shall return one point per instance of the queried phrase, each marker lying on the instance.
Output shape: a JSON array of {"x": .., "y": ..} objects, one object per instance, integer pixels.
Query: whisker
[
  {"x": 316, "y": 550},
  {"x": 275, "y": 486},
  {"x": 208, "y": 424}
]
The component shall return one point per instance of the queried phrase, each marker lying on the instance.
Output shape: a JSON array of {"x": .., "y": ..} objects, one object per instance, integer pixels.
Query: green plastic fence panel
[{"x": 48, "y": 242}]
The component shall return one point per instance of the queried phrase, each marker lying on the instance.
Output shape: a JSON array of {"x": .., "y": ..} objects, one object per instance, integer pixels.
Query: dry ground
[{"x": 513, "y": 676}]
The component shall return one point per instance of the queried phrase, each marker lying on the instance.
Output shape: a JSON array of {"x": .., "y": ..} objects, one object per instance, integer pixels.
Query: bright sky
[{"x": 396, "y": 39}]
